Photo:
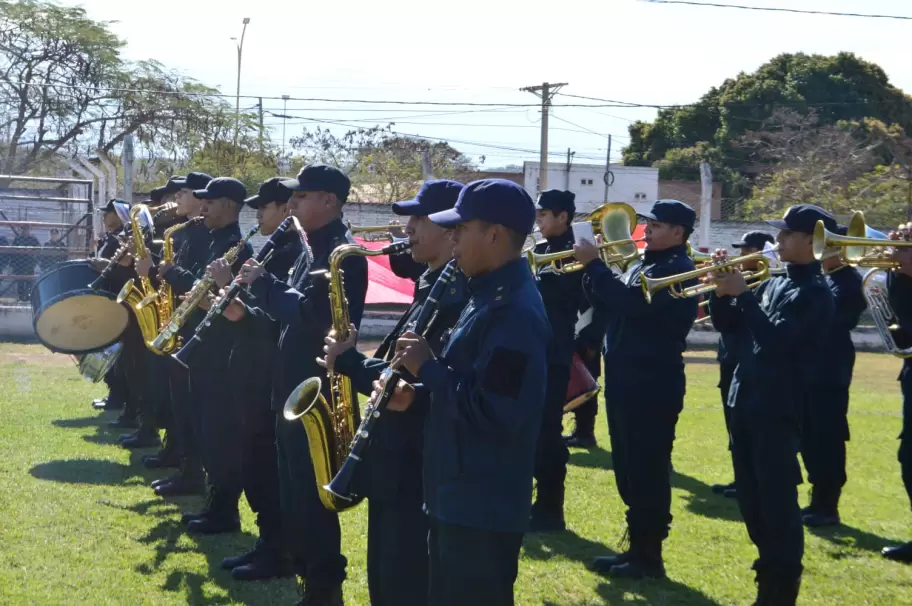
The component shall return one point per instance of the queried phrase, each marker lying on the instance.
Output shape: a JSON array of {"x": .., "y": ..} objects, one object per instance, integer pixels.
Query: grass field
[{"x": 79, "y": 525}]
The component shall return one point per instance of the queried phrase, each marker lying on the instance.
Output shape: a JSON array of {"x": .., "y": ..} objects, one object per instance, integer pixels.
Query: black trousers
[
  {"x": 470, "y": 566},
  {"x": 586, "y": 412},
  {"x": 217, "y": 429},
  {"x": 133, "y": 355},
  {"x": 905, "y": 438},
  {"x": 824, "y": 433},
  {"x": 765, "y": 452},
  {"x": 726, "y": 373},
  {"x": 181, "y": 433},
  {"x": 260, "y": 473},
  {"x": 312, "y": 532},
  {"x": 642, "y": 430},
  {"x": 551, "y": 454},
  {"x": 117, "y": 383},
  {"x": 397, "y": 551},
  {"x": 157, "y": 409}
]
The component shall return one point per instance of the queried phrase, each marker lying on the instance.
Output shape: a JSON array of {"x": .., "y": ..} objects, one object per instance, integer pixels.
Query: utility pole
[
  {"x": 284, "y": 116},
  {"x": 706, "y": 193},
  {"x": 545, "y": 92},
  {"x": 569, "y": 161},
  {"x": 608, "y": 175},
  {"x": 237, "y": 95},
  {"x": 127, "y": 161},
  {"x": 260, "y": 138}
]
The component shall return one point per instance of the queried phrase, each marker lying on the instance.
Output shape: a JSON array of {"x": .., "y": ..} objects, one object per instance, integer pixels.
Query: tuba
[
  {"x": 167, "y": 339},
  {"x": 331, "y": 426},
  {"x": 874, "y": 287},
  {"x": 148, "y": 317}
]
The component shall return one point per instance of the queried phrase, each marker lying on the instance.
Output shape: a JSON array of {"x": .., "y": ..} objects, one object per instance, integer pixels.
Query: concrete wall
[{"x": 637, "y": 186}]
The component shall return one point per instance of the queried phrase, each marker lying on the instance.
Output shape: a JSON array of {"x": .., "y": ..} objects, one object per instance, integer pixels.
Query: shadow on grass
[
  {"x": 847, "y": 537},
  {"x": 81, "y": 423},
  {"x": 700, "y": 499},
  {"x": 701, "y": 360},
  {"x": 83, "y": 471}
]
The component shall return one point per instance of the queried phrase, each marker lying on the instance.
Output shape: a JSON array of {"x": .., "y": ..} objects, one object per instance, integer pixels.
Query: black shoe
[
  {"x": 215, "y": 525},
  {"x": 638, "y": 569},
  {"x": 181, "y": 487},
  {"x": 721, "y": 488},
  {"x": 580, "y": 441},
  {"x": 142, "y": 441},
  {"x": 167, "y": 480},
  {"x": 324, "y": 597},
  {"x": 160, "y": 460},
  {"x": 264, "y": 566},
  {"x": 900, "y": 553},
  {"x": 241, "y": 560},
  {"x": 821, "y": 520},
  {"x": 730, "y": 493},
  {"x": 124, "y": 423},
  {"x": 542, "y": 521},
  {"x": 605, "y": 563},
  {"x": 107, "y": 404},
  {"x": 192, "y": 516}
]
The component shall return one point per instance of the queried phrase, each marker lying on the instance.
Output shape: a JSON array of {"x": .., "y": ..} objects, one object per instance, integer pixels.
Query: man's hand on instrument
[
  {"x": 719, "y": 256},
  {"x": 126, "y": 260},
  {"x": 164, "y": 268},
  {"x": 143, "y": 265},
  {"x": 402, "y": 399},
  {"x": 235, "y": 311},
  {"x": 220, "y": 271},
  {"x": 333, "y": 348},
  {"x": 730, "y": 283},
  {"x": 585, "y": 251},
  {"x": 250, "y": 272},
  {"x": 412, "y": 351},
  {"x": 99, "y": 264}
]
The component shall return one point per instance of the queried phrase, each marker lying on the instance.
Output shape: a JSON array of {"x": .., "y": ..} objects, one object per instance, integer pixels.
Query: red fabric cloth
[{"x": 383, "y": 285}]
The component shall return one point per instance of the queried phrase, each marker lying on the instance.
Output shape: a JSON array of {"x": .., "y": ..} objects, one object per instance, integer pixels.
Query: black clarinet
[
  {"x": 119, "y": 254},
  {"x": 341, "y": 483},
  {"x": 183, "y": 355}
]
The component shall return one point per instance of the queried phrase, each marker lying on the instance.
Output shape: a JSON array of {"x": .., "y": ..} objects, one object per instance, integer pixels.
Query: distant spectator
[
  {"x": 4, "y": 256},
  {"x": 24, "y": 262},
  {"x": 51, "y": 259}
]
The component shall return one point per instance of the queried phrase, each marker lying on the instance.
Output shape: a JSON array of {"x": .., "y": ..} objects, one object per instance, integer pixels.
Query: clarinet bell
[
  {"x": 182, "y": 355},
  {"x": 341, "y": 483}
]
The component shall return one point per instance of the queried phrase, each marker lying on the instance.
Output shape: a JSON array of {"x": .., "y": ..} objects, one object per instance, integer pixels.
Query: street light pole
[
  {"x": 237, "y": 97},
  {"x": 284, "y": 116}
]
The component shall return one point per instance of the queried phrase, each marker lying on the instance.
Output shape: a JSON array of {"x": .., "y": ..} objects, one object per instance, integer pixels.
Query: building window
[
  {"x": 639, "y": 196},
  {"x": 585, "y": 182}
]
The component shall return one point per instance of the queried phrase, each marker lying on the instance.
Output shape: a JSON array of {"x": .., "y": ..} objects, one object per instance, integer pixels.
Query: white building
[{"x": 637, "y": 186}]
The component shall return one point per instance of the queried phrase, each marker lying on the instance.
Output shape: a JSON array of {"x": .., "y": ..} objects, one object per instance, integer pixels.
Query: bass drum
[
  {"x": 582, "y": 385},
  {"x": 95, "y": 366},
  {"x": 71, "y": 318}
]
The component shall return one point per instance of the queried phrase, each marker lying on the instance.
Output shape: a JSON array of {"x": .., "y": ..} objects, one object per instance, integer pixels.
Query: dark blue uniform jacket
[
  {"x": 788, "y": 317},
  {"x": 487, "y": 396},
  {"x": 849, "y": 303}
]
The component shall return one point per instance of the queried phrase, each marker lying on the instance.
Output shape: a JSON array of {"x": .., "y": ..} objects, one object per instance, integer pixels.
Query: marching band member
[
  {"x": 644, "y": 345},
  {"x": 390, "y": 476},
  {"x": 253, "y": 390},
  {"x": 733, "y": 341},
  {"x": 825, "y": 423},
  {"x": 562, "y": 296},
  {"x": 302, "y": 308},
  {"x": 190, "y": 260},
  {"x": 487, "y": 393},
  {"x": 787, "y": 317},
  {"x": 900, "y": 291}
]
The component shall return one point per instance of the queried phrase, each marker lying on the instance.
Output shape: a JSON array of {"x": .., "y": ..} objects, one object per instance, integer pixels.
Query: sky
[{"x": 476, "y": 51}]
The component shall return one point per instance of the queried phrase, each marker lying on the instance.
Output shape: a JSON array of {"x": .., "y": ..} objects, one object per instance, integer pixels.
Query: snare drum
[
  {"x": 582, "y": 385},
  {"x": 69, "y": 317},
  {"x": 95, "y": 366}
]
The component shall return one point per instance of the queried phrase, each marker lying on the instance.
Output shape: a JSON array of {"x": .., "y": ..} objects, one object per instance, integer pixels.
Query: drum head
[{"x": 81, "y": 322}]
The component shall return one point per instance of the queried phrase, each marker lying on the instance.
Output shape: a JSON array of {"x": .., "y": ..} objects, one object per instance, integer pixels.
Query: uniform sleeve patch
[{"x": 505, "y": 372}]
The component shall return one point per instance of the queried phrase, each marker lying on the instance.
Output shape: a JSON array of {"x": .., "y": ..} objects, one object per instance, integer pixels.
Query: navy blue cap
[
  {"x": 492, "y": 200},
  {"x": 111, "y": 206},
  {"x": 674, "y": 212},
  {"x": 171, "y": 187},
  {"x": 193, "y": 181},
  {"x": 433, "y": 197},
  {"x": 321, "y": 177},
  {"x": 842, "y": 230},
  {"x": 557, "y": 201},
  {"x": 754, "y": 239},
  {"x": 223, "y": 187},
  {"x": 270, "y": 191},
  {"x": 803, "y": 218}
]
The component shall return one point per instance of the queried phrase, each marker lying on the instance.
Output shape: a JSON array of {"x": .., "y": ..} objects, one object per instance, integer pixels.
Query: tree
[
  {"x": 383, "y": 166},
  {"x": 64, "y": 89}
]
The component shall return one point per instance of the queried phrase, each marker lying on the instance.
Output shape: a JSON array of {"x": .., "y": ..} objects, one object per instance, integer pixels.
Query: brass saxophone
[
  {"x": 164, "y": 297},
  {"x": 167, "y": 340},
  {"x": 148, "y": 317},
  {"x": 331, "y": 426}
]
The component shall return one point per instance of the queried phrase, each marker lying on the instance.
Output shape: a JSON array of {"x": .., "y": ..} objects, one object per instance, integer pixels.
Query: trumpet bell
[{"x": 858, "y": 248}]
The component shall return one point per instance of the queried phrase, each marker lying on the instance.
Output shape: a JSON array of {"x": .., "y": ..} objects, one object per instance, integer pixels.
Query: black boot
[
  {"x": 783, "y": 590},
  {"x": 824, "y": 508},
  {"x": 222, "y": 515},
  {"x": 146, "y": 437},
  {"x": 124, "y": 422},
  {"x": 603, "y": 564},
  {"x": 645, "y": 560},
  {"x": 188, "y": 517},
  {"x": 764, "y": 588},
  {"x": 243, "y": 559},
  {"x": 548, "y": 509},
  {"x": 900, "y": 553},
  {"x": 580, "y": 441},
  {"x": 721, "y": 488},
  {"x": 191, "y": 480},
  {"x": 268, "y": 562},
  {"x": 322, "y": 596}
]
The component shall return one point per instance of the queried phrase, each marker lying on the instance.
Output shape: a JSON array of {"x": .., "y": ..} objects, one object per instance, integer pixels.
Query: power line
[{"x": 779, "y": 10}]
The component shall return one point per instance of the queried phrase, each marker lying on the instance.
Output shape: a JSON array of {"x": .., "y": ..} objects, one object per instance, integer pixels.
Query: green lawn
[{"x": 79, "y": 525}]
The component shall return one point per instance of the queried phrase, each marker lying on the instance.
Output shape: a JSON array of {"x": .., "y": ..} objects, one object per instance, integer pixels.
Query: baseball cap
[
  {"x": 492, "y": 200},
  {"x": 557, "y": 201},
  {"x": 271, "y": 190},
  {"x": 321, "y": 177},
  {"x": 674, "y": 212},
  {"x": 433, "y": 197},
  {"x": 754, "y": 239},
  {"x": 193, "y": 181},
  {"x": 803, "y": 218},
  {"x": 223, "y": 187}
]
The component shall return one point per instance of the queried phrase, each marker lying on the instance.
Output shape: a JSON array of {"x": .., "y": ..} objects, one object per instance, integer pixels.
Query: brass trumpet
[
  {"x": 855, "y": 244},
  {"x": 614, "y": 222},
  {"x": 378, "y": 233},
  {"x": 674, "y": 283}
]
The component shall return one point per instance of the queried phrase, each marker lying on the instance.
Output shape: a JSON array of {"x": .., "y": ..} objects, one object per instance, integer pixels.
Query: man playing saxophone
[
  {"x": 301, "y": 306},
  {"x": 390, "y": 475},
  {"x": 787, "y": 317},
  {"x": 899, "y": 284}
]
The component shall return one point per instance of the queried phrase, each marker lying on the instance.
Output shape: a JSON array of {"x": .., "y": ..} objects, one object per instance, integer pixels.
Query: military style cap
[
  {"x": 557, "y": 201},
  {"x": 223, "y": 187},
  {"x": 803, "y": 218},
  {"x": 433, "y": 197},
  {"x": 270, "y": 191},
  {"x": 674, "y": 212},
  {"x": 321, "y": 177},
  {"x": 492, "y": 200}
]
